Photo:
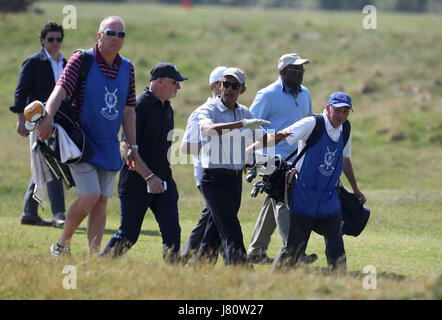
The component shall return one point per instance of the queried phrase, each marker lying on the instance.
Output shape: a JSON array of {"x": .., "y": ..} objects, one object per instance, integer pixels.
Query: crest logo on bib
[
  {"x": 327, "y": 169},
  {"x": 111, "y": 99}
]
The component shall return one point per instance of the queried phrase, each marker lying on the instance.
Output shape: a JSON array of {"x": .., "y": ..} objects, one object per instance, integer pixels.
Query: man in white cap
[
  {"x": 283, "y": 102},
  {"x": 191, "y": 144},
  {"x": 225, "y": 126}
]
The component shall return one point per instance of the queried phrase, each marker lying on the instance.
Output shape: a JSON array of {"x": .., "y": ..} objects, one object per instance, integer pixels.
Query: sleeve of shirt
[
  {"x": 301, "y": 130},
  {"x": 69, "y": 77},
  {"x": 191, "y": 135},
  {"x": 23, "y": 86},
  {"x": 141, "y": 121},
  {"x": 260, "y": 106},
  {"x": 131, "y": 98},
  {"x": 204, "y": 116},
  {"x": 310, "y": 109},
  {"x": 346, "y": 153}
]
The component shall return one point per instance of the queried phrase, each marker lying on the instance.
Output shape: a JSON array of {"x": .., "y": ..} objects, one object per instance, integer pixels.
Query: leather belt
[{"x": 224, "y": 171}]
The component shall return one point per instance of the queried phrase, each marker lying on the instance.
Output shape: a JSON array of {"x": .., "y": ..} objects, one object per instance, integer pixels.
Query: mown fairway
[{"x": 393, "y": 75}]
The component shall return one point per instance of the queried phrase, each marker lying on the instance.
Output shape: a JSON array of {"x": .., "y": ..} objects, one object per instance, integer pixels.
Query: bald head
[{"x": 111, "y": 20}]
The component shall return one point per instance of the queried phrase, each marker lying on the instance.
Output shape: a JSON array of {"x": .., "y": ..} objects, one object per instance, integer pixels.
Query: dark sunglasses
[
  {"x": 295, "y": 70},
  {"x": 235, "y": 86},
  {"x": 113, "y": 33},
  {"x": 51, "y": 39}
]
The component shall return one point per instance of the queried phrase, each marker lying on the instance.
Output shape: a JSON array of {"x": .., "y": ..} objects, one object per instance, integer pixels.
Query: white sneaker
[{"x": 59, "y": 250}]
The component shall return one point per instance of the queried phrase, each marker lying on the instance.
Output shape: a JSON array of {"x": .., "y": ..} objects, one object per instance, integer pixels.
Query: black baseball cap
[{"x": 166, "y": 70}]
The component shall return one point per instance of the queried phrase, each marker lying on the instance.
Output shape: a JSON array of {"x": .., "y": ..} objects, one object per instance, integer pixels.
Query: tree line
[{"x": 388, "y": 5}]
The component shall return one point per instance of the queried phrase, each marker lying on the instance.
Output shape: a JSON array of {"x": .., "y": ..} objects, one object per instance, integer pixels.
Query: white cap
[
  {"x": 216, "y": 74},
  {"x": 291, "y": 58},
  {"x": 238, "y": 74}
]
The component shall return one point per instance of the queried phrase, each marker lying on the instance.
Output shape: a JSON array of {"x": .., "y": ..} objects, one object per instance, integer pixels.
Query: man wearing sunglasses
[
  {"x": 283, "y": 102},
  {"x": 150, "y": 183},
  {"x": 105, "y": 103},
  {"x": 191, "y": 144},
  {"x": 223, "y": 123},
  {"x": 37, "y": 78}
]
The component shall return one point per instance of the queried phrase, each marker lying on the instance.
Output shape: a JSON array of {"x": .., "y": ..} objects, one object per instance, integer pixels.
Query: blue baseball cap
[{"x": 339, "y": 99}]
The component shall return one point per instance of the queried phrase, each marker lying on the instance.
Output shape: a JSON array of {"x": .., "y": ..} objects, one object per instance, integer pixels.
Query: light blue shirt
[
  {"x": 275, "y": 104},
  {"x": 226, "y": 150}
]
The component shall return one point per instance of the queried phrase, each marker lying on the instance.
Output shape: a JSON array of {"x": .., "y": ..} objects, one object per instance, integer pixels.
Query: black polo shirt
[{"x": 154, "y": 121}]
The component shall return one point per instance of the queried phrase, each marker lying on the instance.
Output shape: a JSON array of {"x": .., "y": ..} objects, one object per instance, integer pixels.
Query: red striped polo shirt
[{"x": 70, "y": 74}]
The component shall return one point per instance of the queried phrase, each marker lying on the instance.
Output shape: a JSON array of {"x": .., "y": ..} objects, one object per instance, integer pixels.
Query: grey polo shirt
[{"x": 226, "y": 150}]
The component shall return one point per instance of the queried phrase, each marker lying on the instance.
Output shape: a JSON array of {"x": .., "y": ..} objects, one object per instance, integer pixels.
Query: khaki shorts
[{"x": 89, "y": 178}]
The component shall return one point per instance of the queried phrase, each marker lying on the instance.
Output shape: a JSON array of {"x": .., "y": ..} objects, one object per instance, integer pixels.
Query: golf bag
[
  {"x": 354, "y": 214},
  {"x": 274, "y": 184},
  {"x": 67, "y": 118}
]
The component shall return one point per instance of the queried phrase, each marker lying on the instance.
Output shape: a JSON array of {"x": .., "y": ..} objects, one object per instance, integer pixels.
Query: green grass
[
  {"x": 393, "y": 77},
  {"x": 406, "y": 256}
]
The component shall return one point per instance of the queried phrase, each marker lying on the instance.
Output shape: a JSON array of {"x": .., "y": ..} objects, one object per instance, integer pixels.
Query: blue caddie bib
[
  {"x": 315, "y": 192},
  {"x": 102, "y": 114}
]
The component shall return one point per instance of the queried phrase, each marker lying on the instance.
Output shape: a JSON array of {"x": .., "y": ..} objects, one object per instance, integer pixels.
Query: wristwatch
[{"x": 133, "y": 146}]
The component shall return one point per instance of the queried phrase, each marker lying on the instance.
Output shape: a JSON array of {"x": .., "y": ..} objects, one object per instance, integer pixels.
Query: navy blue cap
[
  {"x": 166, "y": 70},
  {"x": 339, "y": 99}
]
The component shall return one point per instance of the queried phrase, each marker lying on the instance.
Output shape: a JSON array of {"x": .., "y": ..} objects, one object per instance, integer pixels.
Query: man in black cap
[{"x": 150, "y": 183}]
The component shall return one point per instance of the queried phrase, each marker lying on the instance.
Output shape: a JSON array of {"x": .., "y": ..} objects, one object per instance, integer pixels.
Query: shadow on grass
[
  {"x": 357, "y": 274},
  {"x": 153, "y": 233}
]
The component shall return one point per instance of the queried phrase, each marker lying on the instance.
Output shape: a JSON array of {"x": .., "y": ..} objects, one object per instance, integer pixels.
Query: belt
[{"x": 224, "y": 171}]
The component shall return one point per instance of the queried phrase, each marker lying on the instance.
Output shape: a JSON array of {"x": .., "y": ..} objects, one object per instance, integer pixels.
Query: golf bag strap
[
  {"x": 314, "y": 137},
  {"x": 346, "y": 128},
  {"x": 86, "y": 63},
  {"x": 316, "y": 134}
]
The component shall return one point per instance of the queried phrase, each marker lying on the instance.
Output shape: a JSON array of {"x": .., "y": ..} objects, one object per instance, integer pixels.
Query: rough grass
[
  {"x": 400, "y": 242},
  {"x": 392, "y": 76}
]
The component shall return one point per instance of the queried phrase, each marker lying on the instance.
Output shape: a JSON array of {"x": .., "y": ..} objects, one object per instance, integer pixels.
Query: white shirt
[
  {"x": 192, "y": 135},
  {"x": 57, "y": 67},
  {"x": 303, "y": 128}
]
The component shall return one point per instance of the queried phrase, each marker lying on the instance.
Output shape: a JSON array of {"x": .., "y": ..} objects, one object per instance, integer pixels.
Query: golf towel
[{"x": 39, "y": 170}]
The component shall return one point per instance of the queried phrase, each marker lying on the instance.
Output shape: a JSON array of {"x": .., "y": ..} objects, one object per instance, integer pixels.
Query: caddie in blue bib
[
  {"x": 315, "y": 192},
  {"x": 102, "y": 114}
]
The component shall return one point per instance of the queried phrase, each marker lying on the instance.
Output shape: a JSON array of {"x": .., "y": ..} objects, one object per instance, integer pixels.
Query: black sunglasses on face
[
  {"x": 295, "y": 70},
  {"x": 113, "y": 33},
  {"x": 235, "y": 86},
  {"x": 51, "y": 39}
]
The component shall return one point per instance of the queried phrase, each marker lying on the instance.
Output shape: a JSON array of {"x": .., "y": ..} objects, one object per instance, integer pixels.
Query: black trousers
[
  {"x": 193, "y": 242},
  {"x": 299, "y": 234},
  {"x": 164, "y": 206},
  {"x": 196, "y": 236},
  {"x": 222, "y": 191}
]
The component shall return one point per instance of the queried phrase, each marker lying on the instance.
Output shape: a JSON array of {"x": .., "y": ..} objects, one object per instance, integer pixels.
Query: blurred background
[
  {"x": 387, "y": 5},
  {"x": 392, "y": 72}
]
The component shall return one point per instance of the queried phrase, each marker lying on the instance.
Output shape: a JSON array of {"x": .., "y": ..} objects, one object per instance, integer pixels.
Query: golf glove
[{"x": 255, "y": 123}]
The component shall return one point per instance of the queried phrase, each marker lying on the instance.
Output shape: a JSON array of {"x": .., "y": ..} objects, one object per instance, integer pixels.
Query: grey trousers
[{"x": 272, "y": 214}]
